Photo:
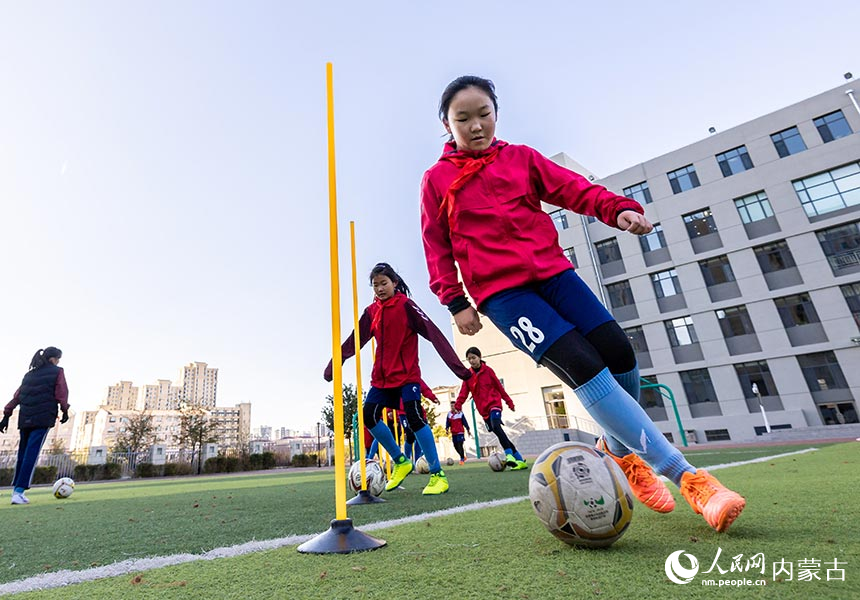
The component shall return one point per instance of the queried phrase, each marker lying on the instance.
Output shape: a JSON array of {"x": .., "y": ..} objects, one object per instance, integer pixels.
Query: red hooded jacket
[
  {"x": 496, "y": 231},
  {"x": 486, "y": 390},
  {"x": 396, "y": 324}
]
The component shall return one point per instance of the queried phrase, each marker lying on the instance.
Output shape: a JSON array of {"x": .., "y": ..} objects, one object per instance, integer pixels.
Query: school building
[{"x": 745, "y": 296}]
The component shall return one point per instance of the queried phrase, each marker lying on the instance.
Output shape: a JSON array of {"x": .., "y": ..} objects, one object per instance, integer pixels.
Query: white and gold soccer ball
[
  {"x": 580, "y": 495},
  {"x": 422, "y": 466},
  {"x": 375, "y": 474},
  {"x": 63, "y": 487}
]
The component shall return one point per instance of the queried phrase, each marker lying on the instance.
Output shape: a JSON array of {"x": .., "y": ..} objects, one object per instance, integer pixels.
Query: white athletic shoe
[{"x": 19, "y": 498}]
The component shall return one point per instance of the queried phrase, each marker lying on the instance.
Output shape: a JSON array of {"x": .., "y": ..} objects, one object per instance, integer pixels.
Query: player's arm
[
  {"x": 423, "y": 326},
  {"x": 498, "y": 385},
  {"x": 564, "y": 188},
  {"x": 347, "y": 349}
]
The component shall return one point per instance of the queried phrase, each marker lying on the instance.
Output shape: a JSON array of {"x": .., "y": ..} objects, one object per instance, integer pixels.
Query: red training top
[
  {"x": 396, "y": 323},
  {"x": 493, "y": 227},
  {"x": 486, "y": 390}
]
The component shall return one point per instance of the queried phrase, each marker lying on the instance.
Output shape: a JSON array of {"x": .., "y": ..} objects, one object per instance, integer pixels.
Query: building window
[
  {"x": 829, "y": 191},
  {"x": 700, "y": 223},
  {"x": 774, "y": 257},
  {"x": 556, "y": 411},
  {"x": 698, "y": 386},
  {"x": 734, "y": 161},
  {"x": 654, "y": 240},
  {"x": 796, "y": 310},
  {"x": 851, "y": 292},
  {"x": 758, "y": 373},
  {"x": 832, "y": 126},
  {"x": 788, "y": 142},
  {"x": 639, "y": 192},
  {"x": 841, "y": 246},
  {"x": 571, "y": 255},
  {"x": 650, "y": 397},
  {"x": 560, "y": 219},
  {"x": 716, "y": 270},
  {"x": 821, "y": 371},
  {"x": 755, "y": 207},
  {"x": 608, "y": 251},
  {"x": 681, "y": 332},
  {"x": 620, "y": 294},
  {"x": 589, "y": 219},
  {"x": 683, "y": 179},
  {"x": 717, "y": 435},
  {"x": 666, "y": 283},
  {"x": 637, "y": 339},
  {"x": 735, "y": 321}
]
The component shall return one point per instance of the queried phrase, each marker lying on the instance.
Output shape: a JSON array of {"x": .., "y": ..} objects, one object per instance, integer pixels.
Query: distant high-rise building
[
  {"x": 122, "y": 396},
  {"x": 162, "y": 396},
  {"x": 199, "y": 385}
]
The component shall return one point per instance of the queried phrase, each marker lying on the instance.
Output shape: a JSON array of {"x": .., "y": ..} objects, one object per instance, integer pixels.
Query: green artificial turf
[{"x": 799, "y": 507}]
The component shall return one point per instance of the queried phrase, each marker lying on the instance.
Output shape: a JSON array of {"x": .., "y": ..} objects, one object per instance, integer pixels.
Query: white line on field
[{"x": 62, "y": 578}]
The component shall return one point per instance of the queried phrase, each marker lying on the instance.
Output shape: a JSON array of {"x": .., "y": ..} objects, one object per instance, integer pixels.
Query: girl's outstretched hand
[
  {"x": 632, "y": 222},
  {"x": 468, "y": 321}
]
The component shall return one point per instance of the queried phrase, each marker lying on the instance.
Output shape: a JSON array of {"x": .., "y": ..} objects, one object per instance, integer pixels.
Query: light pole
[
  {"x": 319, "y": 426},
  {"x": 761, "y": 406}
]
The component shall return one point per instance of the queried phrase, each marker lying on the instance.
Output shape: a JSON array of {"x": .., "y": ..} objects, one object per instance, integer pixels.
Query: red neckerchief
[
  {"x": 469, "y": 167},
  {"x": 396, "y": 299}
]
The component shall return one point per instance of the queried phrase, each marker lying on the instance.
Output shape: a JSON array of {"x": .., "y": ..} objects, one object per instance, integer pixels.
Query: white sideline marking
[{"x": 62, "y": 578}]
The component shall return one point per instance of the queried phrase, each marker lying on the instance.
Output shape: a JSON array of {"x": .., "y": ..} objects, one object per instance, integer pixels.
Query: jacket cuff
[{"x": 458, "y": 304}]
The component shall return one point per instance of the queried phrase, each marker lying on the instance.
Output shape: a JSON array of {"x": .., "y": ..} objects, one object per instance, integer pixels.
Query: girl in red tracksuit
[
  {"x": 395, "y": 321},
  {"x": 481, "y": 218},
  {"x": 488, "y": 393}
]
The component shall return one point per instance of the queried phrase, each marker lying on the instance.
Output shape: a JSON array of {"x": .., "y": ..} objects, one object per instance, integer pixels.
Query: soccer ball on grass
[
  {"x": 497, "y": 461},
  {"x": 64, "y": 487},
  {"x": 580, "y": 495},
  {"x": 375, "y": 474}
]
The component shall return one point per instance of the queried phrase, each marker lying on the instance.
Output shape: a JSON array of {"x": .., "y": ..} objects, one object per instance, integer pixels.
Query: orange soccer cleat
[
  {"x": 719, "y": 505},
  {"x": 648, "y": 488}
]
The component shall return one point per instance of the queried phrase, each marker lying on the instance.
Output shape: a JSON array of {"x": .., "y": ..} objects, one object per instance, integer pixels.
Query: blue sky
[{"x": 163, "y": 185}]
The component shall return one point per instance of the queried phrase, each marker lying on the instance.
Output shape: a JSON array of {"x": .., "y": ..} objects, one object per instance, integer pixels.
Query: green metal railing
[{"x": 666, "y": 392}]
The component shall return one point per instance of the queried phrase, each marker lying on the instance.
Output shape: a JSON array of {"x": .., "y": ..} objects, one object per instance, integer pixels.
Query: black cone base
[
  {"x": 341, "y": 538},
  {"x": 364, "y": 497}
]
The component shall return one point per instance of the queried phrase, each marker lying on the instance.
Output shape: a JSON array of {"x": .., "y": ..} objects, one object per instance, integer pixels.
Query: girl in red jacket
[
  {"x": 488, "y": 393},
  {"x": 395, "y": 321},
  {"x": 481, "y": 211}
]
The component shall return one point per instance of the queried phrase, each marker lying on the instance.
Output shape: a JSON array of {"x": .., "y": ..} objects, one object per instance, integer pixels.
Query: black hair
[
  {"x": 385, "y": 269},
  {"x": 473, "y": 350},
  {"x": 40, "y": 359},
  {"x": 461, "y": 83}
]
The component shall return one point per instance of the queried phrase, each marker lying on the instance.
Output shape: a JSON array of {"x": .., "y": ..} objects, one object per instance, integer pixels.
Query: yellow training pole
[
  {"x": 341, "y": 537},
  {"x": 360, "y": 399},
  {"x": 337, "y": 357}
]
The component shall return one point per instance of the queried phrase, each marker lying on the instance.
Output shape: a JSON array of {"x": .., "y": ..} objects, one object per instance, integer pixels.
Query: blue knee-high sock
[
  {"x": 383, "y": 435},
  {"x": 407, "y": 451},
  {"x": 623, "y": 418},
  {"x": 630, "y": 382},
  {"x": 424, "y": 437}
]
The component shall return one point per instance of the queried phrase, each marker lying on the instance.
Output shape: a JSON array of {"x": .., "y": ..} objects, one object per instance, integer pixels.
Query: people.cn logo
[{"x": 678, "y": 573}]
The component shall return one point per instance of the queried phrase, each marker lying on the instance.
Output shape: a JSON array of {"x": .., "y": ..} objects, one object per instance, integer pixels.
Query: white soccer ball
[
  {"x": 376, "y": 478},
  {"x": 580, "y": 495},
  {"x": 497, "y": 461},
  {"x": 63, "y": 487},
  {"x": 422, "y": 466}
]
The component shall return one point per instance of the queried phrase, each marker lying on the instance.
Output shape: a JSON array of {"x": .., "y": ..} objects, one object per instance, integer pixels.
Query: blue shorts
[
  {"x": 390, "y": 397},
  {"x": 534, "y": 317}
]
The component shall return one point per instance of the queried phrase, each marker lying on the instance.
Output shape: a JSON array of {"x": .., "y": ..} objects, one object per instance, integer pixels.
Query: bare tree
[
  {"x": 139, "y": 434},
  {"x": 196, "y": 429}
]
